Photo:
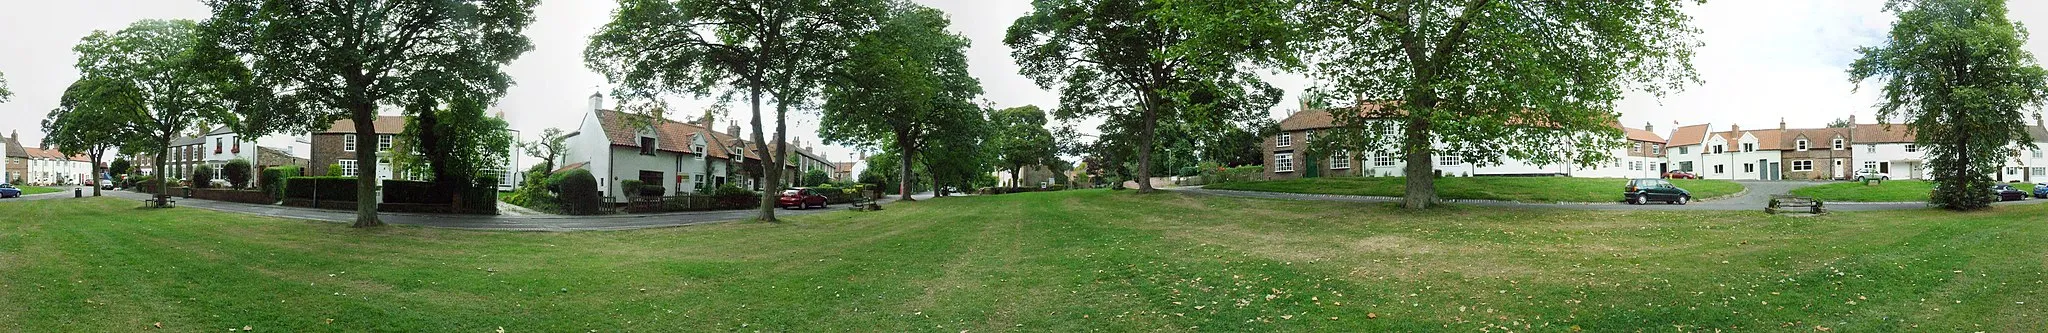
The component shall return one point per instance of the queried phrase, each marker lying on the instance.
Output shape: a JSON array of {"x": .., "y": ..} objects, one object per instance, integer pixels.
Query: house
[
  {"x": 1816, "y": 153},
  {"x": 1287, "y": 155},
  {"x": 680, "y": 157},
  {"x": 1642, "y": 156},
  {"x": 2028, "y": 164},
  {"x": 803, "y": 158},
  {"x": 1743, "y": 155},
  {"x": 335, "y": 148},
  {"x": 843, "y": 172},
  {"x": 1887, "y": 149},
  {"x": 15, "y": 168},
  {"x": 1685, "y": 147}
]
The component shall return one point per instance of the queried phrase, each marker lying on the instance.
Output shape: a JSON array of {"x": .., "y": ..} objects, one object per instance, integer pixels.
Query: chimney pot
[
  {"x": 1647, "y": 127},
  {"x": 1781, "y": 123},
  {"x": 596, "y": 101},
  {"x": 1737, "y": 128}
]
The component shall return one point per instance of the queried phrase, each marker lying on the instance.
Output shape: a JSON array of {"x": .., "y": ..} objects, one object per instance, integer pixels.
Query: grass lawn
[
  {"x": 1055, "y": 261},
  {"x": 1887, "y": 191},
  {"x": 1525, "y": 189},
  {"x": 28, "y": 190}
]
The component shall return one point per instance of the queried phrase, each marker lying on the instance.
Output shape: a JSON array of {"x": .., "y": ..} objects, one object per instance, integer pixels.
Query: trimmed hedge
[
  {"x": 579, "y": 194},
  {"x": 414, "y": 192},
  {"x": 202, "y": 176},
  {"x": 242, "y": 196},
  {"x": 272, "y": 179},
  {"x": 735, "y": 197},
  {"x": 237, "y": 172},
  {"x": 323, "y": 188}
]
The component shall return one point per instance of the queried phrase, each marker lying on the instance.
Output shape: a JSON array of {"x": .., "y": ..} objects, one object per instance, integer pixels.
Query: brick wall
[{"x": 326, "y": 152}]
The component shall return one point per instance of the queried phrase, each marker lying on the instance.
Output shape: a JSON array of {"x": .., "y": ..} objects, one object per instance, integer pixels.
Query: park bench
[
  {"x": 1782, "y": 204},
  {"x": 166, "y": 198},
  {"x": 865, "y": 201}
]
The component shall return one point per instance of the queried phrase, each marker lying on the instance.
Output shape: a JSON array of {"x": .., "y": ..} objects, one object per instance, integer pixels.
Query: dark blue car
[
  {"x": 2041, "y": 190},
  {"x": 8, "y": 191}
]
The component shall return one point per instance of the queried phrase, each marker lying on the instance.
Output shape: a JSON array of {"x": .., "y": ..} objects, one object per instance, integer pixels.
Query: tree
[
  {"x": 323, "y": 60},
  {"x": 548, "y": 148},
  {"x": 460, "y": 143},
  {"x": 959, "y": 156},
  {"x": 1839, "y": 123},
  {"x": 146, "y": 80},
  {"x": 82, "y": 121},
  {"x": 903, "y": 84},
  {"x": 4, "y": 94},
  {"x": 816, "y": 177},
  {"x": 1486, "y": 80},
  {"x": 1022, "y": 140},
  {"x": 120, "y": 166},
  {"x": 1144, "y": 62},
  {"x": 1958, "y": 72},
  {"x": 238, "y": 172},
  {"x": 755, "y": 49}
]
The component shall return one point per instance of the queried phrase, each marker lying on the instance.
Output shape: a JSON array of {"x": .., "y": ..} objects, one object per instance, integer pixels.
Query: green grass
[
  {"x": 1052, "y": 262},
  {"x": 1525, "y": 189},
  {"x": 28, "y": 190},
  {"x": 1887, "y": 191}
]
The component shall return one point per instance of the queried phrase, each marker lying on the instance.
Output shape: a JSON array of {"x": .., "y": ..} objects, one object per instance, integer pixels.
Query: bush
[
  {"x": 323, "y": 188},
  {"x": 630, "y": 187},
  {"x": 579, "y": 193},
  {"x": 415, "y": 192},
  {"x": 237, "y": 172},
  {"x": 202, "y": 176},
  {"x": 272, "y": 179},
  {"x": 733, "y": 196},
  {"x": 334, "y": 170},
  {"x": 816, "y": 177},
  {"x": 144, "y": 184},
  {"x": 652, "y": 190}
]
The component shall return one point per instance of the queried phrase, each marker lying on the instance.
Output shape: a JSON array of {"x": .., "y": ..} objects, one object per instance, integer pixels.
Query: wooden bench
[
  {"x": 1781, "y": 204},
  {"x": 166, "y": 198}
]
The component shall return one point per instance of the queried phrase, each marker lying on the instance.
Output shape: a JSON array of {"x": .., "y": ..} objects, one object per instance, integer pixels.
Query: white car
[{"x": 1866, "y": 174}]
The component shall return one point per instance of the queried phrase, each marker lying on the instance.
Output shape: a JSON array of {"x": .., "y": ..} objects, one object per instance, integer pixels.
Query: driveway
[
  {"x": 474, "y": 222},
  {"x": 1756, "y": 197}
]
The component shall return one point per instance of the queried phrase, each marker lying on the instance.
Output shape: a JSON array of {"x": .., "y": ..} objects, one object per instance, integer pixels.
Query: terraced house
[
  {"x": 1287, "y": 155},
  {"x": 681, "y": 157}
]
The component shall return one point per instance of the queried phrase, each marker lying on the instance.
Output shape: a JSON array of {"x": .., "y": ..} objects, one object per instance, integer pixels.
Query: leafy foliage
[
  {"x": 80, "y": 125},
  {"x": 120, "y": 166},
  {"x": 321, "y": 60},
  {"x": 237, "y": 171},
  {"x": 1146, "y": 63},
  {"x": 273, "y": 178},
  {"x": 1490, "y": 80},
  {"x": 148, "y": 81},
  {"x": 905, "y": 86},
  {"x": 1958, "y": 72},
  {"x": 4, "y": 94},
  {"x": 816, "y": 177},
  {"x": 549, "y": 147},
  {"x": 202, "y": 176},
  {"x": 579, "y": 194},
  {"x": 1021, "y": 140},
  {"x": 461, "y": 142}
]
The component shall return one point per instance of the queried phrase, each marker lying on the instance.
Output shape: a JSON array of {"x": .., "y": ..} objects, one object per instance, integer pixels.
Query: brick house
[
  {"x": 336, "y": 147},
  {"x": 1816, "y": 153},
  {"x": 1287, "y": 155},
  {"x": 15, "y": 170}
]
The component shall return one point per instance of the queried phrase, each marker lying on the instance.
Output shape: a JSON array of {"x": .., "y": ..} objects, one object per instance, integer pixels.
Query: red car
[
  {"x": 800, "y": 198},
  {"x": 1680, "y": 175}
]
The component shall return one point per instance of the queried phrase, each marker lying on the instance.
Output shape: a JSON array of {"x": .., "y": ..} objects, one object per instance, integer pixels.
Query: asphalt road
[{"x": 1755, "y": 198}]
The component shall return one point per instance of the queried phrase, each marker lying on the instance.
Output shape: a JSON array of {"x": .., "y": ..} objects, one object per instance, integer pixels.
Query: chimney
[
  {"x": 596, "y": 101},
  {"x": 1735, "y": 128},
  {"x": 709, "y": 119},
  {"x": 1647, "y": 127},
  {"x": 733, "y": 130},
  {"x": 1852, "y": 121},
  {"x": 14, "y": 135},
  {"x": 1781, "y": 123}
]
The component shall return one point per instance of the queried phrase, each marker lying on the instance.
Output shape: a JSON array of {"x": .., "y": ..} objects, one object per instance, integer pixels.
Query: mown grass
[
  {"x": 1887, "y": 191},
  {"x": 29, "y": 190},
  {"x": 1524, "y": 189},
  {"x": 1055, "y": 262}
]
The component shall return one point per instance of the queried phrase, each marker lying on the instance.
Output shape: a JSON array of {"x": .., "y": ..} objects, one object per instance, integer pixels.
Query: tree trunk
[
  {"x": 902, "y": 138},
  {"x": 767, "y": 209},
  {"x": 365, "y": 116},
  {"x": 1145, "y": 128},
  {"x": 1421, "y": 182},
  {"x": 1016, "y": 177},
  {"x": 781, "y": 148},
  {"x": 163, "y": 185},
  {"x": 96, "y": 174}
]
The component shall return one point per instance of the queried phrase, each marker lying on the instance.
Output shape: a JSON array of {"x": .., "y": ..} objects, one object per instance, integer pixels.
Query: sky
[{"x": 1763, "y": 61}]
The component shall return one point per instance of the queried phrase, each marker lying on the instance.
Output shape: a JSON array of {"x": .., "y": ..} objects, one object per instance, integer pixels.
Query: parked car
[
  {"x": 1646, "y": 190},
  {"x": 8, "y": 191},
  {"x": 1867, "y": 174},
  {"x": 800, "y": 198},
  {"x": 2008, "y": 193},
  {"x": 1681, "y": 175},
  {"x": 2041, "y": 190}
]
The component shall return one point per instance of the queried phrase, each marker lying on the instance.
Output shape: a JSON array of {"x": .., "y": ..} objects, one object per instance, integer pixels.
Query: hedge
[
  {"x": 414, "y": 192},
  {"x": 272, "y": 179},
  {"x": 242, "y": 196},
  {"x": 202, "y": 176},
  {"x": 237, "y": 172},
  {"x": 579, "y": 193},
  {"x": 322, "y": 188}
]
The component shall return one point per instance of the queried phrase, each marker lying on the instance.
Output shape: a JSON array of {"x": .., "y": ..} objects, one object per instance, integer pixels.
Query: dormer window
[
  {"x": 1801, "y": 145},
  {"x": 646, "y": 145},
  {"x": 1838, "y": 144}
]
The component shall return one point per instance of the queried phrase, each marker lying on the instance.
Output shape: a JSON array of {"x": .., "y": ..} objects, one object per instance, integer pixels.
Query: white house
[
  {"x": 2028, "y": 165},
  {"x": 1286, "y": 156},
  {"x": 1888, "y": 150},
  {"x": 1641, "y": 157},
  {"x": 679, "y": 157},
  {"x": 1742, "y": 155}
]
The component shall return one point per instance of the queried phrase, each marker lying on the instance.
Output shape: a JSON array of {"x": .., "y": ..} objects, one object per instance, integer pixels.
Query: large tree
[
  {"x": 148, "y": 80},
  {"x": 1959, "y": 73},
  {"x": 549, "y": 147},
  {"x": 324, "y": 60},
  {"x": 83, "y": 121},
  {"x": 1021, "y": 141},
  {"x": 903, "y": 85},
  {"x": 4, "y": 94},
  {"x": 458, "y": 143},
  {"x": 1488, "y": 80},
  {"x": 1143, "y": 62},
  {"x": 754, "y": 49}
]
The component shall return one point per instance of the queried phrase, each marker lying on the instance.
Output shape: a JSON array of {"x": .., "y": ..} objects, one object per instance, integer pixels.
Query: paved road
[
  {"x": 1755, "y": 198},
  {"x": 472, "y": 222}
]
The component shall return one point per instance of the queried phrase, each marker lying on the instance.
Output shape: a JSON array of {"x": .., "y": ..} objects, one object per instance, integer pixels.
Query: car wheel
[
  {"x": 1683, "y": 199},
  {"x": 1641, "y": 199}
]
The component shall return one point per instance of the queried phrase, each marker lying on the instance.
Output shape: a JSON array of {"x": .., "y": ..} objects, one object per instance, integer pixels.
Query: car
[
  {"x": 2041, "y": 190},
  {"x": 1681, "y": 174},
  {"x": 1867, "y": 174},
  {"x": 8, "y": 191},
  {"x": 1646, "y": 190},
  {"x": 2008, "y": 193},
  {"x": 800, "y": 198}
]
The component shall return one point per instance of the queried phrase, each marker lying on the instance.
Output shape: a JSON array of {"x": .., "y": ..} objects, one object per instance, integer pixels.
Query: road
[{"x": 1757, "y": 196}]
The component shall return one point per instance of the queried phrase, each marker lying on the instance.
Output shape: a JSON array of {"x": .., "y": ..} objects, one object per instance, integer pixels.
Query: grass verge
[
  {"x": 1887, "y": 191},
  {"x": 1523, "y": 189},
  {"x": 30, "y": 190},
  {"x": 1059, "y": 261}
]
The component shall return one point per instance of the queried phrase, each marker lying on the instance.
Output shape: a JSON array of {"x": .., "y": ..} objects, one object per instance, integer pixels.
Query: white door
[
  {"x": 1838, "y": 169},
  {"x": 383, "y": 169}
]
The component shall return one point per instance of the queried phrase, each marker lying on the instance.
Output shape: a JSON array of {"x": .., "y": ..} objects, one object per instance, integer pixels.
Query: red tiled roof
[
  {"x": 1642, "y": 135},
  {"x": 571, "y": 166},
  {"x": 384, "y": 124},
  {"x": 1815, "y": 137},
  {"x": 1688, "y": 135},
  {"x": 1874, "y": 133},
  {"x": 674, "y": 136},
  {"x": 1770, "y": 139}
]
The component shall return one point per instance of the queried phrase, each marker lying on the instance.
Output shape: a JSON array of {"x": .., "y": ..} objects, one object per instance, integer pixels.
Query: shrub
[
  {"x": 324, "y": 188},
  {"x": 652, "y": 190},
  {"x": 414, "y": 192},
  {"x": 202, "y": 176},
  {"x": 237, "y": 172},
  {"x": 272, "y": 179},
  {"x": 816, "y": 177},
  {"x": 334, "y": 170},
  {"x": 734, "y": 196},
  {"x": 579, "y": 193},
  {"x": 144, "y": 184},
  {"x": 630, "y": 187}
]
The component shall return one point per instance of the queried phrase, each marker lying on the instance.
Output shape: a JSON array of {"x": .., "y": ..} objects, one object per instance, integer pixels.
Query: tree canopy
[
  {"x": 1139, "y": 63},
  {"x": 903, "y": 85},
  {"x": 1489, "y": 80},
  {"x": 1021, "y": 140},
  {"x": 753, "y": 49},
  {"x": 1958, "y": 72},
  {"x": 86, "y": 117},
  {"x": 549, "y": 147},
  {"x": 318, "y": 61},
  {"x": 4, "y": 94},
  {"x": 147, "y": 80}
]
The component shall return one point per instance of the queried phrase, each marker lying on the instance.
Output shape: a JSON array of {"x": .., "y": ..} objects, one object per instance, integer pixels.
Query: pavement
[
  {"x": 1755, "y": 197},
  {"x": 523, "y": 222}
]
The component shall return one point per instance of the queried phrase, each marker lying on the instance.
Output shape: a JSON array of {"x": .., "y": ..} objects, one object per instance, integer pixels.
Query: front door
[
  {"x": 1839, "y": 163},
  {"x": 1884, "y": 167},
  {"x": 383, "y": 168},
  {"x": 1309, "y": 167}
]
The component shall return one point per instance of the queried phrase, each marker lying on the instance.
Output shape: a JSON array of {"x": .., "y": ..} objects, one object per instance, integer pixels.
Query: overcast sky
[{"x": 1763, "y": 60}]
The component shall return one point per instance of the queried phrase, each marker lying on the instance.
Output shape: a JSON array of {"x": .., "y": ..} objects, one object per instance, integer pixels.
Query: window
[
  {"x": 217, "y": 143},
  {"x": 1639, "y": 148},
  {"x": 2012, "y": 171},
  {"x": 1635, "y": 165},
  {"x": 1748, "y": 147},
  {"x": 1657, "y": 147},
  {"x": 1749, "y": 167},
  {"x": 1383, "y": 160},
  {"x": 1719, "y": 149},
  {"x": 1912, "y": 148},
  {"x": 2039, "y": 171},
  {"x": 1283, "y": 162},
  {"x": 697, "y": 181},
  {"x": 1451, "y": 160},
  {"x": 1308, "y": 136},
  {"x": 1838, "y": 144},
  {"x": 2037, "y": 153},
  {"x": 1800, "y": 145},
  {"x": 1340, "y": 160},
  {"x": 348, "y": 168},
  {"x": 1684, "y": 150},
  {"x": 348, "y": 142},
  {"x": 1685, "y": 166},
  {"x": 1871, "y": 165},
  {"x": 1802, "y": 165},
  {"x": 1285, "y": 140},
  {"x": 1720, "y": 169},
  {"x": 1870, "y": 148},
  {"x": 383, "y": 142},
  {"x": 646, "y": 146}
]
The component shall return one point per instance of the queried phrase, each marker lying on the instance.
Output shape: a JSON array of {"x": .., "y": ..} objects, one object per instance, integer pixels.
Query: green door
[{"x": 1309, "y": 167}]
